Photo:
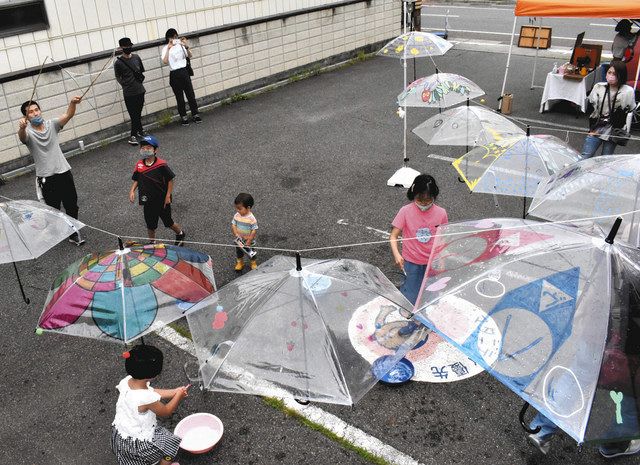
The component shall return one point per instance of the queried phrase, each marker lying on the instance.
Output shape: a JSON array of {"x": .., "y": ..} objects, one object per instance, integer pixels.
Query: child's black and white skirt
[{"x": 130, "y": 451}]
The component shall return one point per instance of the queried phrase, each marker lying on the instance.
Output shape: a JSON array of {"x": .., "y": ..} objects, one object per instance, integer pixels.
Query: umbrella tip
[
  {"x": 126, "y": 355},
  {"x": 298, "y": 262},
  {"x": 39, "y": 331},
  {"x": 614, "y": 231}
]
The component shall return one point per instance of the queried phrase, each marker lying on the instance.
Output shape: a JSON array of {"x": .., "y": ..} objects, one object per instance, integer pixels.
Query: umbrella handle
[
  {"x": 524, "y": 424},
  {"x": 24, "y": 297}
]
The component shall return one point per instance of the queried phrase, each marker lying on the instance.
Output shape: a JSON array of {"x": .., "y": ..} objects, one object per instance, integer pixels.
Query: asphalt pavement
[{"x": 311, "y": 152}]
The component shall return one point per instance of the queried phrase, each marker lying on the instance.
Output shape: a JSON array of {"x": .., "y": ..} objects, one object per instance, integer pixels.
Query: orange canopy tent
[
  {"x": 579, "y": 8},
  {"x": 571, "y": 9}
]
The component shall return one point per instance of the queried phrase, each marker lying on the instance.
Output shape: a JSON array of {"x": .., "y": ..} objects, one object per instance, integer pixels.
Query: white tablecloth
[{"x": 556, "y": 87}]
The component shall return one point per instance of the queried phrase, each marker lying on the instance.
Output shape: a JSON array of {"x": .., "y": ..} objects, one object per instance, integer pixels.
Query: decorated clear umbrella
[
  {"x": 283, "y": 330},
  {"x": 414, "y": 44},
  {"x": 600, "y": 188},
  {"x": 551, "y": 311},
  {"x": 124, "y": 294},
  {"x": 467, "y": 126},
  {"x": 28, "y": 229},
  {"x": 514, "y": 166},
  {"x": 440, "y": 90}
]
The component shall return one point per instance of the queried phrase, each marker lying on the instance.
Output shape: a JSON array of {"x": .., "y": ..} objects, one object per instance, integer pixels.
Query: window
[{"x": 20, "y": 16}]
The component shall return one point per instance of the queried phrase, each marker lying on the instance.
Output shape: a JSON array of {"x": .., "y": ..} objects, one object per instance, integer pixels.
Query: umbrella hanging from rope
[
  {"x": 515, "y": 165},
  {"x": 28, "y": 229},
  {"x": 124, "y": 294},
  {"x": 596, "y": 187},
  {"x": 551, "y": 311},
  {"x": 283, "y": 330}
]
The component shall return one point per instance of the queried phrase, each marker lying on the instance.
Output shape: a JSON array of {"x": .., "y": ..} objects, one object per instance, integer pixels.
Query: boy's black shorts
[{"x": 154, "y": 211}]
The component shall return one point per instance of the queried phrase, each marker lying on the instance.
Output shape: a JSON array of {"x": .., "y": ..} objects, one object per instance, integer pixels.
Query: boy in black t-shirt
[{"x": 154, "y": 180}]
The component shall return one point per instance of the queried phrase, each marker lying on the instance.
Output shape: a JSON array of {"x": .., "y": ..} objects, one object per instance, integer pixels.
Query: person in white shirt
[
  {"x": 177, "y": 55},
  {"x": 136, "y": 437}
]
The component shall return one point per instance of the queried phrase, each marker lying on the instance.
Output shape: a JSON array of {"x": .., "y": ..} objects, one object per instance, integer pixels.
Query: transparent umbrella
[
  {"x": 415, "y": 44},
  {"x": 28, "y": 229},
  {"x": 551, "y": 311},
  {"x": 515, "y": 165},
  {"x": 468, "y": 126},
  {"x": 439, "y": 90},
  {"x": 600, "y": 188},
  {"x": 283, "y": 330}
]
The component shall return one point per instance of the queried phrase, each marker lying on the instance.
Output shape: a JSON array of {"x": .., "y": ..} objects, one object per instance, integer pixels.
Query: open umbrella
[
  {"x": 439, "y": 90},
  {"x": 28, "y": 229},
  {"x": 515, "y": 165},
  {"x": 596, "y": 187},
  {"x": 285, "y": 328},
  {"x": 467, "y": 126},
  {"x": 124, "y": 294},
  {"x": 415, "y": 44},
  {"x": 551, "y": 311}
]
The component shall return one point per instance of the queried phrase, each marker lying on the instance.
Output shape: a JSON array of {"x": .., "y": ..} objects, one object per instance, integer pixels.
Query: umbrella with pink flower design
[{"x": 124, "y": 294}]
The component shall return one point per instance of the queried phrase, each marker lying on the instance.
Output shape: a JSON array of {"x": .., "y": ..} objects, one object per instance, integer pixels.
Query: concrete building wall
[{"x": 224, "y": 62}]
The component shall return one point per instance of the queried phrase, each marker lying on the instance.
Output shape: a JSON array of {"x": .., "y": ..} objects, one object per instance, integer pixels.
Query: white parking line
[
  {"x": 316, "y": 415},
  {"x": 440, "y": 16},
  {"x": 469, "y": 8},
  {"x": 572, "y": 39}
]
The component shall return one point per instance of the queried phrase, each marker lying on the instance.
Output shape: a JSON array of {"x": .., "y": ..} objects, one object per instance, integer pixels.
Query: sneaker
[
  {"x": 239, "y": 264},
  {"x": 180, "y": 239},
  {"x": 543, "y": 445},
  {"x": 142, "y": 134},
  {"x": 184, "y": 121},
  {"x": 253, "y": 264},
  {"x": 632, "y": 448},
  {"x": 133, "y": 140},
  {"x": 197, "y": 119},
  {"x": 76, "y": 239}
]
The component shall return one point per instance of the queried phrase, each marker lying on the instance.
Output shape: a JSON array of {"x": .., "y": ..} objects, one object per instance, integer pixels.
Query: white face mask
[
  {"x": 612, "y": 79},
  {"x": 424, "y": 208}
]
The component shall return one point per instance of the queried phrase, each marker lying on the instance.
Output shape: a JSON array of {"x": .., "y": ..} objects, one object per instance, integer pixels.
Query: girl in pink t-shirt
[{"x": 416, "y": 222}]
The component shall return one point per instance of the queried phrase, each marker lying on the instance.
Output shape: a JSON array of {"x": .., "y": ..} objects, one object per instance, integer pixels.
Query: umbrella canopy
[
  {"x": 439, "y": 90},
  {"x": 415, "y": 44},
  {"x": 514, "y": 166},
  {"x": 551, "y": 311},
  {"x": 595, "y": 187},
  {"x": 29, "y": 228},
  {"x": 124, "y": 294},
  {"x": 468, "y": 126},
  {"x": 283, "y": 330}
]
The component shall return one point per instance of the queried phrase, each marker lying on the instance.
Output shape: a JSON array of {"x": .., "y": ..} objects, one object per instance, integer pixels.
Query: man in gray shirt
[
  {"x": 128, "y": 69},
  {"x": 52, "y": 169}
]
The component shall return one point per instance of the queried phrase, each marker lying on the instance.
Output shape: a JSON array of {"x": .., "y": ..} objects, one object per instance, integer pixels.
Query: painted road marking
[
  {"x": 470, "y": 8},
  {"x": 377, "y": 232},
  {"x": 440, "y": 16},
  {"x": 332, "y": 423}
]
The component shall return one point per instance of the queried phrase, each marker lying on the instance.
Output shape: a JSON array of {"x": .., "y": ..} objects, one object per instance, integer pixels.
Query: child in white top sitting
[{"x": 136, "y": 438}]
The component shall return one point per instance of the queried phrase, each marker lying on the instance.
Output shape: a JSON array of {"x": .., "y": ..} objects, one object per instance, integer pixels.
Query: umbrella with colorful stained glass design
[{"x": 124, "y": 294}]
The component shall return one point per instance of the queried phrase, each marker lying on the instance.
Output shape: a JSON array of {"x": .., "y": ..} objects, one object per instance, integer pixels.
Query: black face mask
[{"x": 127, "y": 50}]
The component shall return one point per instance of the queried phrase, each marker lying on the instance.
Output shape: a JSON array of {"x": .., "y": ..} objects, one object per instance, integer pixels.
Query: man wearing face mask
[
  {"x": 129, "y": 71},
  {"x": 53, "y": 172}
]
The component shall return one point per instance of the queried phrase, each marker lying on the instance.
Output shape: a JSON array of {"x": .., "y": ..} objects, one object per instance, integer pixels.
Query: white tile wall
[{"x": 227, "y": 59}]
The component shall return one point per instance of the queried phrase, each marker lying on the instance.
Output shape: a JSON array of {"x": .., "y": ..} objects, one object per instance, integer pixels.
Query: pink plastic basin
[{"x": 199, "y": 432}]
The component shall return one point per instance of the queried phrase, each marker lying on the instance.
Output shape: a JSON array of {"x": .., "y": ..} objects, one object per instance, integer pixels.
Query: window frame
[{"x": 38, "y": 26}]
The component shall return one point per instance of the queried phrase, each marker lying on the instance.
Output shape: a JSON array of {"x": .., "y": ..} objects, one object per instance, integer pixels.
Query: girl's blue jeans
[
  {"x": 412, "y": 281},
  {"x": 592, "y": 143}
]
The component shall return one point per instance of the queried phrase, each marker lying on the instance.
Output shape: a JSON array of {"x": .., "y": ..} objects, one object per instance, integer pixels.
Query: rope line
[{"x": 360, "y": 244}]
